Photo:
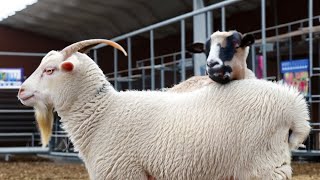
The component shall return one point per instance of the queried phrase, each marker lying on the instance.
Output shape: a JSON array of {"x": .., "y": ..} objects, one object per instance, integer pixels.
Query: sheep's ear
[
  {"x": 247, "y": 40},
  {"x": 199, "y": 47},
  {"x": 196, "y": 47},
  {"x": 67, "y": 66}
]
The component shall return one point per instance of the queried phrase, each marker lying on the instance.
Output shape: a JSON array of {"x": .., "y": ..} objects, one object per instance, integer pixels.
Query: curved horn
[{"x": 82, "y": 46}]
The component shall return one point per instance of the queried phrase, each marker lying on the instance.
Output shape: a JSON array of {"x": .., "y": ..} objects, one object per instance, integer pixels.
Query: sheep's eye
[
  {"x": 236, "y": 44},
  {"x": 49, "y": 71}
]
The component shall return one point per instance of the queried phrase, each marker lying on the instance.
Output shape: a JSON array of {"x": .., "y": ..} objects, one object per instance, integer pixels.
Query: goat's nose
[{"x": 21, "y": 90}]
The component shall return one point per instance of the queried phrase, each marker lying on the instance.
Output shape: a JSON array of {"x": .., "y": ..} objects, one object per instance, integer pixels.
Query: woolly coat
[
  {"x": 196, "y": 82},
  {"x": 239, "y": 129}
]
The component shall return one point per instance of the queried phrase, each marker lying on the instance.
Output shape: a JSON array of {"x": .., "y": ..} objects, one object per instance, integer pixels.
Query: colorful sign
[
  {"x": 11, "y": 77},
  {"x": 296, "y": 73},
  {"x": 295, "y": 66}
]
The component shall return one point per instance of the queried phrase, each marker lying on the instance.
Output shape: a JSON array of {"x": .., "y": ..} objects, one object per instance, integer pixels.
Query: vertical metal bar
[
  {"x": 319, "y": 51},
  {"x": 6, "y": 157},
  {"x": 253, "y": 58},
  {"x": 129, "y": 63},
  {"x": 209, "y": 24},
  {"x": 162, "y": 73},
  {"x": 152, "y": 60},
  {"x": 318, "y": 61},
  {"x": 223, "y": 19},
  {"x": 199, "y": 35},
  {"x": 290, "y": 43},
  {"x": 174, "y": 69},
  {"x": 56, "y": 130},
  {"x": 95, "y": 56},
  {"x": 183, "y": 51},
  {"x": 275, "y": 9},
  {"x": 32, "y": 140},
  {"x": 310, "y": 22},
  {"x": 115, "y": 68},
  {"x": 143, "y": 77},
  {"x": 263, "y": 33},
  {"x": 310, "y": 36},
  {"x": 278, "y": 56}
]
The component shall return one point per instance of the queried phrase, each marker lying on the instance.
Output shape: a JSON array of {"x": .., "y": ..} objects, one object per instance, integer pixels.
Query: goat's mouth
[{"x": 26, "y": 97}]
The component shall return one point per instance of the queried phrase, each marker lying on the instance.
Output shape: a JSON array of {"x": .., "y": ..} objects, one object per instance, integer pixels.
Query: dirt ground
[{"x": 35, "y": 168}]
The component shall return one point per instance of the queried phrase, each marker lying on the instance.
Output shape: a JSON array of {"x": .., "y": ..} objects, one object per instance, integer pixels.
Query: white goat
[{"x": 133, "y": 134}]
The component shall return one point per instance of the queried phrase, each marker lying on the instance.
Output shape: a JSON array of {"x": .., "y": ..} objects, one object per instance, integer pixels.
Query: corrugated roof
[{"x": 74, "y": 20}]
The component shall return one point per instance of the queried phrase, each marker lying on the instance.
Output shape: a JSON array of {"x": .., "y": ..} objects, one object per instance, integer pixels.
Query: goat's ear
[
  {"x": 67, "y": 66},
  {"x": 247, "y": 40},
  {"x": 196, "y": 48}
]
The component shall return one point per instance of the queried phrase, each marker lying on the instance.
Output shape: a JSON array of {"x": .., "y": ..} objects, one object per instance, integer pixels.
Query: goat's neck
[
  {"x": 77, "y": 120},
  {"x": 83, "y": 90}
]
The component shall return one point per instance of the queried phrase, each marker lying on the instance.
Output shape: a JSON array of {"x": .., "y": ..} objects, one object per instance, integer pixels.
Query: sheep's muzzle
[{"x": 221, "y": 75}]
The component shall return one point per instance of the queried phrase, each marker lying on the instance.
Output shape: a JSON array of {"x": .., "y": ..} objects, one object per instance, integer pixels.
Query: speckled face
[{"x": 220, "y": 50}]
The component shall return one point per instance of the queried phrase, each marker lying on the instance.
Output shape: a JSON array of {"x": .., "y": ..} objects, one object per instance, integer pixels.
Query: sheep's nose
[{"x": 212, "y": 64}]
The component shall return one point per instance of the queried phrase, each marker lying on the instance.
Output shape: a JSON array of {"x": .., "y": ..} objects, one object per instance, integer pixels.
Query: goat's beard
[{"x": 44, "y": 118}]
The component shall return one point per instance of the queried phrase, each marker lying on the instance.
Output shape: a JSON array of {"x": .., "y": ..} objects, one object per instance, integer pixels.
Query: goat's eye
[{"x": 49, "y": 71}]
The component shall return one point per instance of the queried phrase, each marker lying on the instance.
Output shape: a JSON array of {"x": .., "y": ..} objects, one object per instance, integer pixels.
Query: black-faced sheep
[
  {"x": 226, "y": 53},
  {"x": 133, "y": 134}
]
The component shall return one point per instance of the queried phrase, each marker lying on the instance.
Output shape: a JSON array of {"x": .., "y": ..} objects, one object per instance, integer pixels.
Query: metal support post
[
  {"x": 95, "y": 56},
  {"x": 199, "y": 35},
  {"x": 152, "y": 60},
  {"x": 253, "y": 58},
  {"x": 310, "y": 14},
  {"x": 223, "y": 19},
  {"x": 274, "y": 6},
  {"x": 263, "y": 33},
  {"x": 278, "y": 56},
  {"x": 7, "y": 157},
  {"x": 183, "y": 51},
  {"x": 32, "y": 140},
  {"x": 162, "y": 73},
  {"x": 310, "y": 36},
  {"x": 129, "y": 63},
  {"x": 115, "y": 60},
  {"x": 209, "y": 23},
  {"x": 290, "y": 44},
  {"x": 174, "y": 70},
  {"x": 143, "y": 77}
]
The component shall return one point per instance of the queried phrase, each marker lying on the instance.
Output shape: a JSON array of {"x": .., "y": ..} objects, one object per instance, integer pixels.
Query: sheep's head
[
  {"x": 58, "y": 74},
  {"x": 226, "y": 55}
]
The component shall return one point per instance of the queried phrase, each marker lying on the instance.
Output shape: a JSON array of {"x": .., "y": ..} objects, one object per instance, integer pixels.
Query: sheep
[
  {"x": 233, "y": 48},
  {"x": 227, "y": 56},
  {"x": 167, "y": 135}
]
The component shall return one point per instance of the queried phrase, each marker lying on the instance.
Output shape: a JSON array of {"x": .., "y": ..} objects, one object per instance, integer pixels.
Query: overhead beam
[{"x": 284, "y": 37}]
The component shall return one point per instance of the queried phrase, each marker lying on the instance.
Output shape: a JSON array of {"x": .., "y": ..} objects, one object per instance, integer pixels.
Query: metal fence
[
  {"x": 179, "y": 62},
  {"x": 206, "y": 10}
]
